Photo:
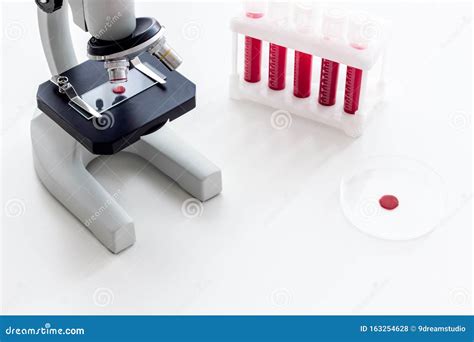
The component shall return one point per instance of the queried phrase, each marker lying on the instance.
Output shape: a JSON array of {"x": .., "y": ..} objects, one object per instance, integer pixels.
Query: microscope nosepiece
[
  {"x": 117, "y": 70},
  {"x": 147, "y": 37}
]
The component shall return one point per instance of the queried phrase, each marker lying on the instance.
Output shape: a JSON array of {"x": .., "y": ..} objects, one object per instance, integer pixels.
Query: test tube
[
  {"x": 278, "y": 15},
  {"x": 333, "y": 28},
  {"x": 303, "y": 20},
  {"x": 253, "y": 47},
  {"x": 362, "y": 31},
  {"x": 352, "y": 90}
]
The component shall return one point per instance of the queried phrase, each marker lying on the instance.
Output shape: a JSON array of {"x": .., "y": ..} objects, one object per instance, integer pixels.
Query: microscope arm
[{"x": 56, "y": 40}]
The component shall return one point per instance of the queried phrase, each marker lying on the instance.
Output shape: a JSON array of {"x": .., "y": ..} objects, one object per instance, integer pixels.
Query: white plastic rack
[{"x": 314, "y": 42}]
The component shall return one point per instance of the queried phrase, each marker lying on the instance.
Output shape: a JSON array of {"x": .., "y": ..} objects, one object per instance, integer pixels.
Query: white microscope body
[{"x": 60, "y": 161}]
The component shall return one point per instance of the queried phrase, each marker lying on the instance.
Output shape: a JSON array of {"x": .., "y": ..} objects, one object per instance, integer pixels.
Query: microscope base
[{"x": 60, "y": 163}]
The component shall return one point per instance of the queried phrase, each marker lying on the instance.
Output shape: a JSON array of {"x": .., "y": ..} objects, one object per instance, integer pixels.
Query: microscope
[{"x": 121, "y": 99}]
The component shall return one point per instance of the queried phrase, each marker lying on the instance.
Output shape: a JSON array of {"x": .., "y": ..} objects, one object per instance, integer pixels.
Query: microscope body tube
[
  {"x": 328, "y": 82},
  {"x": 277, "y": 67},
  {"x": 302, "y": 74},
  {"x": 110, "y": 19},
  {"x": 352, "y": 90}
]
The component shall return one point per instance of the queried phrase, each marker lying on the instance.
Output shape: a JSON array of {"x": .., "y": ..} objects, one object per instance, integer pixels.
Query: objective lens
[
  {"x": 117, "y": 70},
  {"x": 167, "y": 55}
]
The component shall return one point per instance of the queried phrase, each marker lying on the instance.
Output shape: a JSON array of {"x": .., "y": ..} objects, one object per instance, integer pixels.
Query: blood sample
[
  {"x": 303, "y": 66},
  {"x": 333, "y": 28},
  {"x": 120, "y": 89},
  {"x": 352, "y": 90},
  {"x": 328, "y": 82},
  {"x": 303, "y": 71},
  {"x": 362, "y": 30},
  {"x": 276, "y": 67},
  {"x": 388, "y": 202},
  {"x": 253, "y": 59},
  {"x": 253, "y": 46},
  {"x": 278, "y": 17}
]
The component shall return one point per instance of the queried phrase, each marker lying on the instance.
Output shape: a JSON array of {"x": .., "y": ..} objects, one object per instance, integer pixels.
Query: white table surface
[{"x": 275, "y": 241}]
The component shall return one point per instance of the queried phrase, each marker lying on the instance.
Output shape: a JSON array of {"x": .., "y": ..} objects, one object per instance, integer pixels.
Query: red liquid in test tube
[
  {"x": 253, "y": 46},
  {"x": 277, "y": 67},
  {"x": 303, "y": 71},
  {"x": 352, "y": 90},
  {"x": 333, "y": 28},
  {"x": 253, "y": 59},
  {"x": 303, "y": 17},
  {"x": 328, "y": 82},
  {"x": 278, "y": 17},
  {"x": 359, "y": 37}
]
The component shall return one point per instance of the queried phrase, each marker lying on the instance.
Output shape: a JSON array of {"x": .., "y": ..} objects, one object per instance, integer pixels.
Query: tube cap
[
  {"x": 362, "y": 30},
  {"x": 255, "y": 8},
  {"x": 278, "y": 12},
  {"x": 303, "y": 16},
  {"x": 334, "y": 23}
]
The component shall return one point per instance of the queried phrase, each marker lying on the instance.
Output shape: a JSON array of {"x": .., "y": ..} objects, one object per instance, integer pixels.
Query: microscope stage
[{"x": 140, "y": 108}]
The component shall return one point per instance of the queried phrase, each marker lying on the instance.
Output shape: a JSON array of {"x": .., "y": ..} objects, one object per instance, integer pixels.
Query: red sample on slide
[
  {"x": 120, "y": 89},
  {"x": 352, "y": 91},
  {"x": 277, "y": 67},
  {"x": 303, "y": 70},
  {"x": 328, "y": 82}
]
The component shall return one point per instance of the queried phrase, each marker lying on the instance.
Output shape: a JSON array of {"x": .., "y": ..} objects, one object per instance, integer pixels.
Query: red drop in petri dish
[{"x": 388, "y": 202}]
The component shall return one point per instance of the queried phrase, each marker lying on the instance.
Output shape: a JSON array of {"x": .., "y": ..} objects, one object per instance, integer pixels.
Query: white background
[{"x": 275, "y": 241}]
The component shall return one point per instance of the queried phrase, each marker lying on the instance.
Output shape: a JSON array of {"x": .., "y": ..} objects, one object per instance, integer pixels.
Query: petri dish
[{"x": 420, "y": 192}]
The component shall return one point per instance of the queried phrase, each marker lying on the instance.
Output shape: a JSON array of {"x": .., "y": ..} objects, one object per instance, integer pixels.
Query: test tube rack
[{"x": 313, "y": 43}]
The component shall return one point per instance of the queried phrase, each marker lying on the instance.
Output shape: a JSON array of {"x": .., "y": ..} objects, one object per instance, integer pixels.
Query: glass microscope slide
[{"x": 103, "y": 97}]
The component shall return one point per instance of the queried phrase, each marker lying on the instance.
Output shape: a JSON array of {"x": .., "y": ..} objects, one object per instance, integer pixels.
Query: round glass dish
[{"x": 418, "y": 188}]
